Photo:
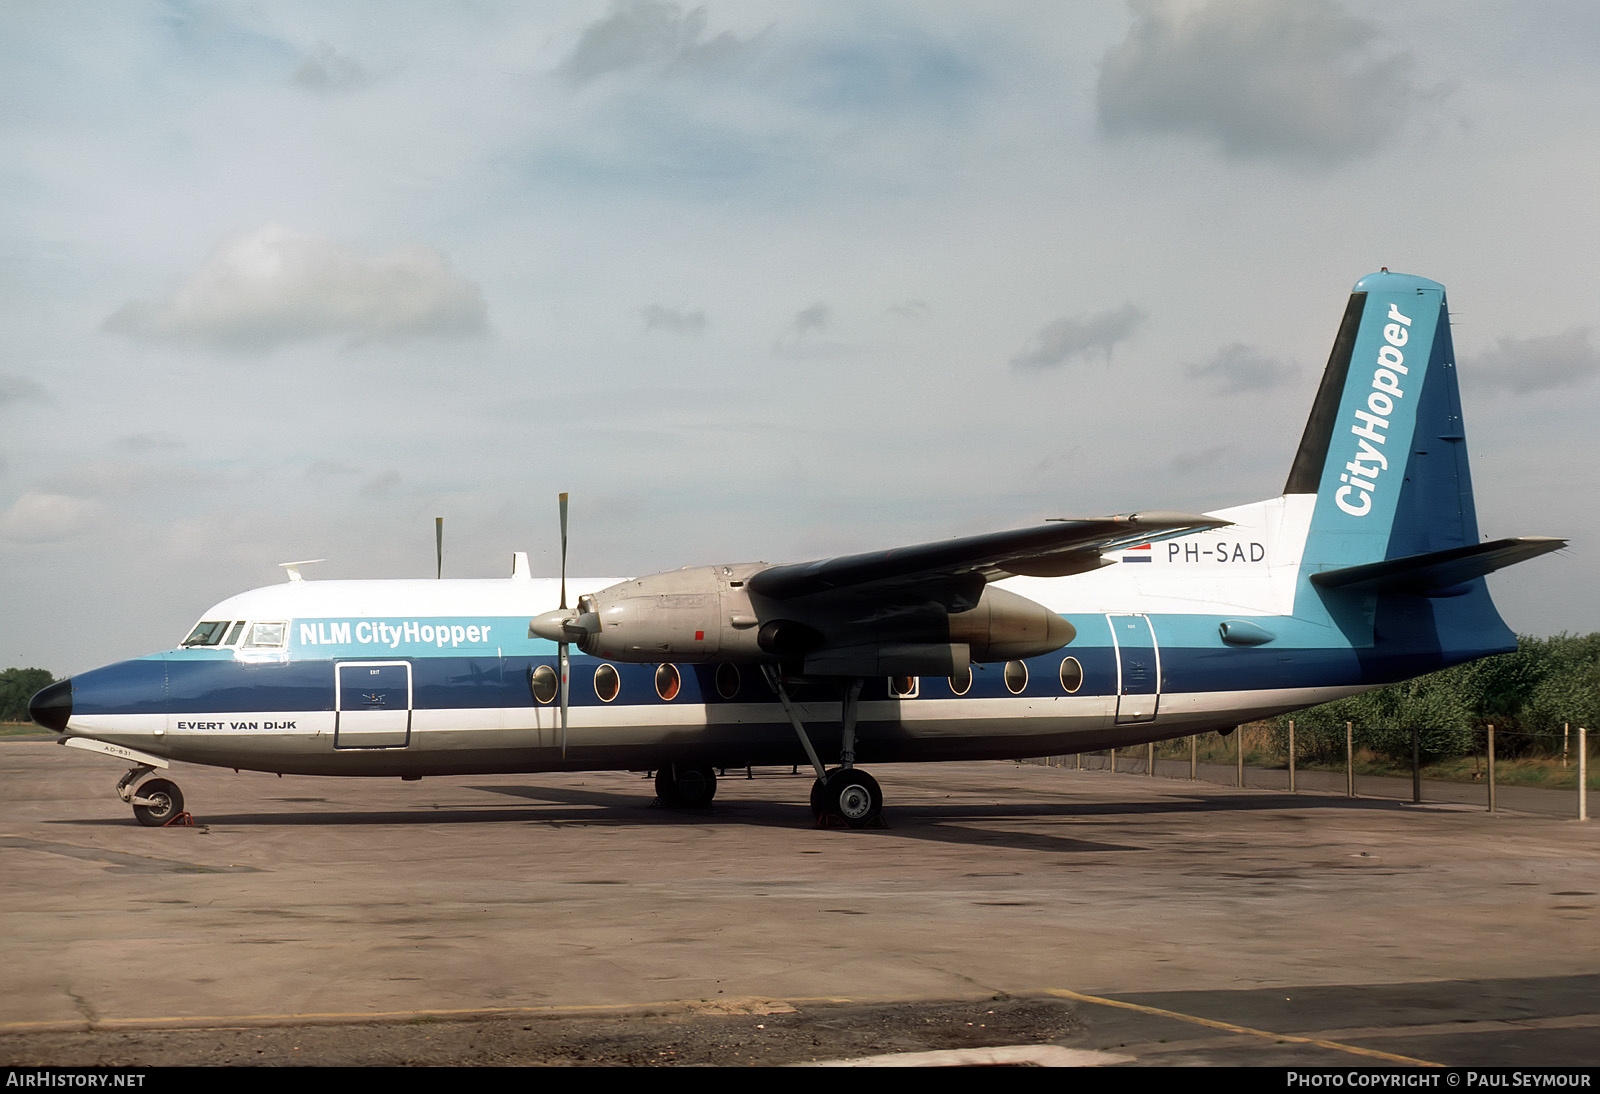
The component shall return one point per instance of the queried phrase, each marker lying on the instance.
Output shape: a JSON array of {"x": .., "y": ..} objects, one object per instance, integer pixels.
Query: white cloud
[
  {"x": 806, "y": 335},
  {"x": 691, "y": 323},
  {"x": 1065, "y": 339},
  {"x": 20, "y": 389},
  {"x": 327, "y": 70},
  {"x": 1240, "y": 368},
  {"x": 1302, "y": 80},
  {"x": 274, "y": 286},
  {"x": 44, "y": 518},
  {"x": 1525, "y": 365},
  {"x": 646, "y": 34}
]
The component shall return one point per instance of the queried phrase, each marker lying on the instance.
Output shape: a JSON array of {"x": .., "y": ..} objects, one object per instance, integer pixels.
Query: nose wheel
[{"x": 157, "y": 803}]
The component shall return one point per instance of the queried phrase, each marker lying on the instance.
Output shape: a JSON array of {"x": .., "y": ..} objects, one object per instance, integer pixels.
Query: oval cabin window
[
  {"x": 607, "y": 683},
  {"x": 668, "y": 682},
  {"x": 727, "y": 680},
  {"x": 545, "y": 683}
]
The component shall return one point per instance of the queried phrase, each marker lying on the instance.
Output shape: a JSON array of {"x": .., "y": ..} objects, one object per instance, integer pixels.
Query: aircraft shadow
[{"x": 953, "y": 823}]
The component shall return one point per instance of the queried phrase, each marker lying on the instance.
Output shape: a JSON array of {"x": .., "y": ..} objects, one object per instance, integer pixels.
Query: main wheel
[
  {"x": 849, "y": 794},
  {"x": 166, "y": 802},
  {"x": 686, "y": 787}
]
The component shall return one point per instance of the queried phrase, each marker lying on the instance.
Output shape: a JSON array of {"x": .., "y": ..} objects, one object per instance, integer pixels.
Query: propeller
[
  {"x": 438, "y": 543},
  {"x": 563, "y": 626}
]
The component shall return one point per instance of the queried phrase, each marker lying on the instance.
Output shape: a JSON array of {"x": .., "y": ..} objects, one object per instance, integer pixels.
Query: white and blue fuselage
[{"x": 1368, "y": 569}]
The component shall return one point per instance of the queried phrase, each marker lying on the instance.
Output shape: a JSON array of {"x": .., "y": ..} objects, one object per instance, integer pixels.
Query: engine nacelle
[
  {"x": 706, "y": 613},
  {"x": 690, "y": 616}
]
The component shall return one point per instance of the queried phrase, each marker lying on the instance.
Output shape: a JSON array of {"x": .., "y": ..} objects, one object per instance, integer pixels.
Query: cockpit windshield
[
  {"x": 265, "y": 636},
  {"x": 208, "y": 633}
]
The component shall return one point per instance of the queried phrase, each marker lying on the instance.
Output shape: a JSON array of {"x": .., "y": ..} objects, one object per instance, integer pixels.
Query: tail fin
[
  {"x": 1385, "y": 451},
  {"x": 1385, "y": 455}
]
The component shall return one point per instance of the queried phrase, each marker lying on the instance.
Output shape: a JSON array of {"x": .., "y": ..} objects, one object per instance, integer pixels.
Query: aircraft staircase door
[
  {"x": 1138, "y": 668},
  {"x": 372, "y": 704}
]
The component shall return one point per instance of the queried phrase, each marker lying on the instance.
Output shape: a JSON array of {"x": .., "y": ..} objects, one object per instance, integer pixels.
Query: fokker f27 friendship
[{"x": 1071, "y": 636}]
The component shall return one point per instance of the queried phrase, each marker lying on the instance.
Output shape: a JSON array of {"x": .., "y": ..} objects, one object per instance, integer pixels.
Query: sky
[{"x": 751, "y": 280}]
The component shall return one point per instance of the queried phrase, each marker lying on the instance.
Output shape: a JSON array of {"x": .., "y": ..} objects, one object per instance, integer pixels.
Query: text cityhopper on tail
[{"x": 1070, "y": 636}]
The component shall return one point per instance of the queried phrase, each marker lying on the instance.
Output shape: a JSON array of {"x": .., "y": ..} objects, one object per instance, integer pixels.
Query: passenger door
[
  {"x": 1138, "y": 668},
  {"x": 372, "y": 704}
]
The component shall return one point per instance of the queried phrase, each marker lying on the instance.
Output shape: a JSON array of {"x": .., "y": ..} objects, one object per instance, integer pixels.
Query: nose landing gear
[
  {"x": 156, "y": 804},
  {"x": 159, "y": 803}
]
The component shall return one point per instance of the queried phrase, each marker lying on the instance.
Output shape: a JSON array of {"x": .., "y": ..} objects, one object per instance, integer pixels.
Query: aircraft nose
[{"x": 52, "y": 706}]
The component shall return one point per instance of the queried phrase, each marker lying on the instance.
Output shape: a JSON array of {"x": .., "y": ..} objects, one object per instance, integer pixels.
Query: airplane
[{"x": 1070, "y": 636}]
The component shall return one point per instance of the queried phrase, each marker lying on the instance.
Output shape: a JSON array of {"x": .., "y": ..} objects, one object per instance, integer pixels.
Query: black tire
[
  {"x": 167, "y": 799},
  {"x": 684, "y": 786},
  {"x": 852, "y": 796}
]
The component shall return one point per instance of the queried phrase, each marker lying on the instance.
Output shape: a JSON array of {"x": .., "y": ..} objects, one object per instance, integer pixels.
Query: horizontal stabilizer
[{"x": 1437, "y": 573}]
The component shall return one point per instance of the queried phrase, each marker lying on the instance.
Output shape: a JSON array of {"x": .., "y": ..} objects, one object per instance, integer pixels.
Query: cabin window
[
  {"x": 265, "y": 636},
  {"x": 607, "y": 683},
  {"x": 960, "y": 685},
  {"x": 1071, "y": 675},
  {"x": 544, "y": 682},
  {"x": 727, "y": 680},
  {"x": 668, "y": 682},
  {"x": 208, "y": 633},
  {"x": 902, "y": 687},
  {"x": 1016, "y": 677}
]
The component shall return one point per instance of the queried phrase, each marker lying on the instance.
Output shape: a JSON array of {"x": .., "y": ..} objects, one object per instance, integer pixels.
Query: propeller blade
[
  {"x": 438, "y": 542},
  {"x": 563, "y": 550},
  {"x": 561, "y": 647},
  {"x": 566, "y": 675}
]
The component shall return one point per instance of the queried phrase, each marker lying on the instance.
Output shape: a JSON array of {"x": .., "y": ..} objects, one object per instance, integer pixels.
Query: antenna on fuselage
[{"x": 294, "y": 567}]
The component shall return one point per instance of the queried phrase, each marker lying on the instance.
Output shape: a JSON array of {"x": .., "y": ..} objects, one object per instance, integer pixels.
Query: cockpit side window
[
  {"x": 233, "y": 635},
  {"x": 208, "y": 633},
  {"x": 265, "y": 636}
]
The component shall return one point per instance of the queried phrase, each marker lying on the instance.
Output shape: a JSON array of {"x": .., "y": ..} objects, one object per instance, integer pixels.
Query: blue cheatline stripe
[{"x": 467, "y": 681}]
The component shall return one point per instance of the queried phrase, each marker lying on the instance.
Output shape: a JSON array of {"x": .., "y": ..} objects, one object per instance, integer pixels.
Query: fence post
[
  {"x": 1238, "y": 756},
  {"x": 1583, "y": 773},
  {"x": 1349, "y": 760},
  {"x": 1491, "y": 767},
  {"x": 1113, "y": 761},
  {"x": 1416, "y": 766},
  {"x": 1291, "y": 755},
  {"x": 1150, "y": 760},
  {"x": 1194, "y": 758}
]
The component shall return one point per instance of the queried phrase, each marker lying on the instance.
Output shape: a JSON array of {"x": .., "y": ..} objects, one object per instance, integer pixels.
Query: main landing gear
[
  {"x": 156, "y": 804},
  {"x": 845, "y": 795},
  {"x": 686, "y": 786}
]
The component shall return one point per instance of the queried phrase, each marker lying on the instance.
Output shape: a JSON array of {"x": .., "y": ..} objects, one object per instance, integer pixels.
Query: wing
[{"x": 1055, "y": 549}]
